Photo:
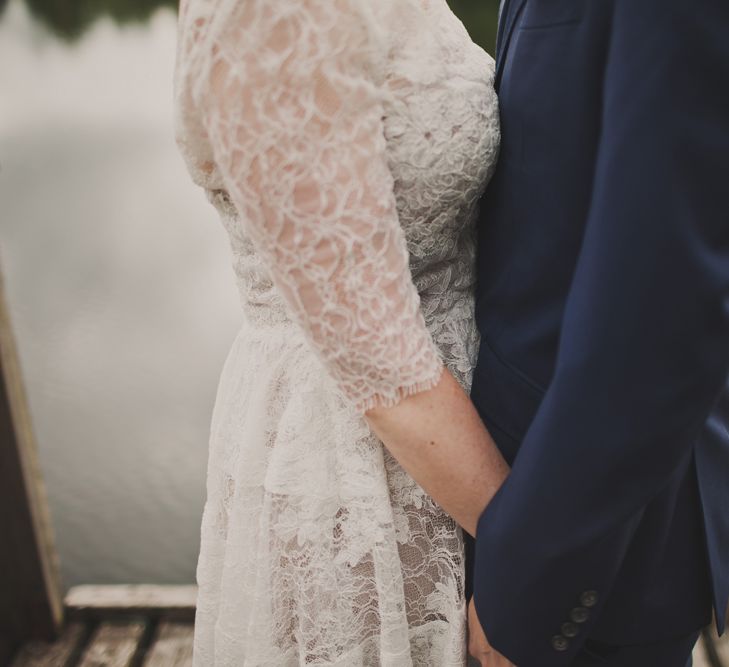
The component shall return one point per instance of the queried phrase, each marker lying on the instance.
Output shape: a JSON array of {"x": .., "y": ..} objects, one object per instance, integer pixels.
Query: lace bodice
[{"x": 345, "y": 144}]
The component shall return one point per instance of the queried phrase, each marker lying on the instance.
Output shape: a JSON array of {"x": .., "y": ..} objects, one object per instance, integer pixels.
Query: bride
[{"x": 345, "y": 145}]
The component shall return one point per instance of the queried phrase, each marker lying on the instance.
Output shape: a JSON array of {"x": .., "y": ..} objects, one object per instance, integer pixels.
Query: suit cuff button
[
  {"x": 570, "y": 629},
  {"x": 560, "y": 643},
  {"x": 580, "y": 614},
  {"x": 588, "y": 599}
]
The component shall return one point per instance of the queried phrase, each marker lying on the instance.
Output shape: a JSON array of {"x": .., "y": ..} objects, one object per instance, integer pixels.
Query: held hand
[{"x": 478, "y": 645}]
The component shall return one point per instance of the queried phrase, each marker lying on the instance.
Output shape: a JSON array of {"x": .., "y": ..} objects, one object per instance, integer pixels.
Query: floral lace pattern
[{"x": 345, "y": 146}]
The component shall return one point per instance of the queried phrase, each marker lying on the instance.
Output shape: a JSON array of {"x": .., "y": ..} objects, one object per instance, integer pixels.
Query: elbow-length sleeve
[{"x": 295, "y": 121}]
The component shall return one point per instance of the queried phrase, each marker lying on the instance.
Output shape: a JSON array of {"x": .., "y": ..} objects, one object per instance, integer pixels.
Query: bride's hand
[{"x": 478, "y": 645}]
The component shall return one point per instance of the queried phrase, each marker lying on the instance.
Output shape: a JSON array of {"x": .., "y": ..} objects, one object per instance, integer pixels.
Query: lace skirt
[{"x": 316, "y": 548}]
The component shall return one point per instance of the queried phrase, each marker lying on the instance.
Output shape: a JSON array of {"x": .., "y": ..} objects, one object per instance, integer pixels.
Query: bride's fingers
[
  {"x": 498, "y": 660},
  {"x": 481, "y": 659},
  {"x": 479, "y": 651},
  {"x": 478, "y": 644},
  {"x": 492, "y": 659}
]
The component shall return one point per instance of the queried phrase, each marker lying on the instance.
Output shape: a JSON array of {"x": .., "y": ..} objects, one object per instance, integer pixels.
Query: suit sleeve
[{"x": 644, "y": 349}]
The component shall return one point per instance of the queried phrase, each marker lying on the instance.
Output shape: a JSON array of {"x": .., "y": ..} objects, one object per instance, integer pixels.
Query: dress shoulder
[{"x": 289, "y": 98}]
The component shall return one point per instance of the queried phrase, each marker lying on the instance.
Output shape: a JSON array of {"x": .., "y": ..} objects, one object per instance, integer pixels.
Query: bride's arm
[
  {"x": 295, "y": 121},
  {"x": 439, "y": 438}
]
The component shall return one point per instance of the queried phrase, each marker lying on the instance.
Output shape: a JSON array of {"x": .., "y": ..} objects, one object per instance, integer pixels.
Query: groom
[{"x": 603, "y": 306}]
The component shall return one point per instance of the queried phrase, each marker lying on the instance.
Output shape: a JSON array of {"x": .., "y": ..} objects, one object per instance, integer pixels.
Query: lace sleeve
[{"x": 295, "y": 122}]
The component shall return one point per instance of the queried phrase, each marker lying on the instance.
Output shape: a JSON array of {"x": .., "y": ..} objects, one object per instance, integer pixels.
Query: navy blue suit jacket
[{"x": 603, "y": 307}]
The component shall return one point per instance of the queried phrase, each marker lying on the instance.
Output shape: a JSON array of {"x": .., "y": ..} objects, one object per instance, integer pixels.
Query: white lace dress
[{"x": 345, "y": 144}]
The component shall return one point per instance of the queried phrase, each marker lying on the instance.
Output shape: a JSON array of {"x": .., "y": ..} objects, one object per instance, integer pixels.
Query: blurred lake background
[{"x": 118, "y": 278}]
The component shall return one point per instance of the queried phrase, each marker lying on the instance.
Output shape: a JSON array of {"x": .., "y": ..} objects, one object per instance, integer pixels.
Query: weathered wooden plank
[
  {"x": 114, "y": 644},
  {"x": 30, "y": 604},
  {"x": 154, "y": 601},
  {"x": 171, "y": 646},
  {"x": 60, "y": 653}
]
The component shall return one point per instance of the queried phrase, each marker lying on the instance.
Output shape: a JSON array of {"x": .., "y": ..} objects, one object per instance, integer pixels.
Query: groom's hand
[{"x": 478, "y": 645}]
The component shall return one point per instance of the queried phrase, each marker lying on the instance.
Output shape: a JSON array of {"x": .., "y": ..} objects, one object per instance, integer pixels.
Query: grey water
[{"x": 121, "y": 294}]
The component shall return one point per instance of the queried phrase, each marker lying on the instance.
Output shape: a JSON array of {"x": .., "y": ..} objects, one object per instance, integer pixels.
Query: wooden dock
[
  {"x": 119, "y": 626},
  {"x": 89, "y": 626},
  {"x": 152, "y": 626}
]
